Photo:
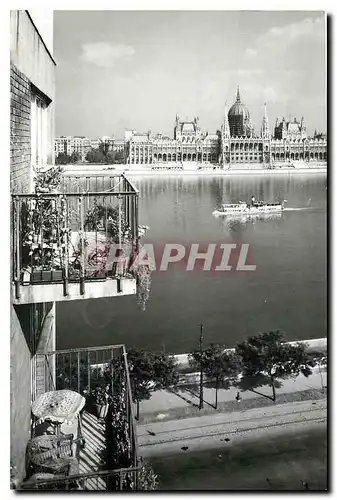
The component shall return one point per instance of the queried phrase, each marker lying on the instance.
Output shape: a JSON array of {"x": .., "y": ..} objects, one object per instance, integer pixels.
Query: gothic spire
[
  {"x": 265, "y": 126},
  {"x": 226, "y": 129},
  {"x": 238, "y": 98}
]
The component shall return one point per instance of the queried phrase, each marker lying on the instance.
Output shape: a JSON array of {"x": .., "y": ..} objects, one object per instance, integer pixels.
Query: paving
[
  {"x": 162, "y": 402},
  {"x": 211, "y": 431}
]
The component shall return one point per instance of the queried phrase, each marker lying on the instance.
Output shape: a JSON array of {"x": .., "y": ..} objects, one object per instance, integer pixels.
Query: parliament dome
[
  {"x": 238, "y": 108},
  {"x": 239, "y": 119}
]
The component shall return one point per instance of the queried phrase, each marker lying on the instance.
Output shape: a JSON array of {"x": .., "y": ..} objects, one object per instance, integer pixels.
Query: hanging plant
[
  {"x": 143, "y": 276},
  {"x": 147, "y": 479},
  {"x": 48, "y": 181}
]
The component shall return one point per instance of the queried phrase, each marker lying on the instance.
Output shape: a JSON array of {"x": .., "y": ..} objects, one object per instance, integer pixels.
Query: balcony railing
[
  {"x": 82, "y": 370},
  {"x": 73, "y": 237},
  {"x": 113, "y": 480}
]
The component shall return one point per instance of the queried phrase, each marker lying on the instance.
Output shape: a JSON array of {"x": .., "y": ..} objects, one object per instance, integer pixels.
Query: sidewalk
[{"x": 165, "y": 405}]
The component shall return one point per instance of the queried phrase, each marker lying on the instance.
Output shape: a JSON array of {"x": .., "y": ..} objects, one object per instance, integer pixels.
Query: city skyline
[{"x": 112, "y": 76}]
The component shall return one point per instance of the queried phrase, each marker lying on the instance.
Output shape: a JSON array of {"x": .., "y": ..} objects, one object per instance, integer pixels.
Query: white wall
[{"x": 44, "y": 22}]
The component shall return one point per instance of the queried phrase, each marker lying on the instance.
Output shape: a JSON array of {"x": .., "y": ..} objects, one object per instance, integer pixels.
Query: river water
[{"x": 287, "y": 291}]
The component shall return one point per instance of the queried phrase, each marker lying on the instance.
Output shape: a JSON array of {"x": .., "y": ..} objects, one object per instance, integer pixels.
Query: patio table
[{"x": 59, "y": 407}]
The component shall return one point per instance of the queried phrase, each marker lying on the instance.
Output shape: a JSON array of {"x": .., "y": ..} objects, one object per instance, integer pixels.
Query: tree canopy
[
  {"x": 75, "y": 157},
  {"x": 218, "y": 364},
  {"x": 95, "y": 156},
  {"x": 62, "y": 159},
  {"x": 267, "y": 355},
  {"x": 149, "y": 372}
]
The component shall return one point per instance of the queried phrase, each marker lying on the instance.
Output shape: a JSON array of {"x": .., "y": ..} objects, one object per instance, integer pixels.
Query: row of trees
[
  {"x": 103, "y": 154},
  {"x": 258, "y": 361},
  {"x": 64, "y": 159}
]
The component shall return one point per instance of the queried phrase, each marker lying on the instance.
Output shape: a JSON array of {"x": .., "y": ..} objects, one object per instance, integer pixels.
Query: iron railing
[
  {"x": 70, "y": 236},
  {"x": 82, "y": 370},
  {"x": 107, "y": 480}
]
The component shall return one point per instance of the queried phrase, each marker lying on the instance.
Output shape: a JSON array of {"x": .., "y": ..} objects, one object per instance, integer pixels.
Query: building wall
[
  {"x": 32, "y": 76},
  {"x": 20, "y": 134},
  {"x": 32, "y": 71},
  {"x": 44, "y": 23},
  {"x": 32, "y": 328},
  {"x": 20, "y": 400}
]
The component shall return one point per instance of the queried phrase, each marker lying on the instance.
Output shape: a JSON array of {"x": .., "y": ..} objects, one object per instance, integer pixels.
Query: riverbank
[
  {"x": 313, "y": 345},
  {"x": 134, "y": 170}
]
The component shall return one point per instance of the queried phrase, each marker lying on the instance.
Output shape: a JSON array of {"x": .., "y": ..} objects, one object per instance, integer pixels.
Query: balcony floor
[
  {"x": 53, "y": 292},
  {"x": 93, "y": 431}
]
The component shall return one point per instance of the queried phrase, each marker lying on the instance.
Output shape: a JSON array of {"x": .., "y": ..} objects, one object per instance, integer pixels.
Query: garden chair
[{"x": 53, "y": 454}]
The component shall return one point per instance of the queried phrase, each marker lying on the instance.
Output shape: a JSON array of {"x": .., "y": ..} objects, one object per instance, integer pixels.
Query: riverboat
[{"x": 255, "y": 207}]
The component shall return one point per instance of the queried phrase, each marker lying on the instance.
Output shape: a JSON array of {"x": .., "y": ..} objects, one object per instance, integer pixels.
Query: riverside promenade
[
  {"x": 184, "y": 402},
  {"x": 250, "y": 444}
]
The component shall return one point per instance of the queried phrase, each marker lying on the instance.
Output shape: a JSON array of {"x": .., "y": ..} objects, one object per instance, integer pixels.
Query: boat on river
[{"x": 252, "y": 208}]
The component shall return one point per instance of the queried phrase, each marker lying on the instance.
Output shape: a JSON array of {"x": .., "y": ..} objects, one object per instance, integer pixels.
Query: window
[{"x": 39, "y": 129}]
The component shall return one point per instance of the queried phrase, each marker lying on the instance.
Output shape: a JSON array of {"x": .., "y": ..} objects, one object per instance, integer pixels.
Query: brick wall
[{"x": 20, "y": 137}]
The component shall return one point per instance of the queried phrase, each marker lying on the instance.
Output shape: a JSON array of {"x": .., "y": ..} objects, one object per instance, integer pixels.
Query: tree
[
  {"x": 110, "y": 157},
  {"x": 119, "y": 157},
  {"x": 148, "y": 372},
  {"x": 62, "y": 159},
  {"x": 218, "y": 365},
  {"x": 74, "y": 157},
  {"x": 95, "y": 156},
  {"x": 165, "y": 371},
  {"x": 267, "y": 357},
  {"x": 140, "y": 365}
]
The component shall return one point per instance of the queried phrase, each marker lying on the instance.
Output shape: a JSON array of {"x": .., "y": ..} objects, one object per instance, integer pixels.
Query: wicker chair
[{"x": 52, "y": 454}]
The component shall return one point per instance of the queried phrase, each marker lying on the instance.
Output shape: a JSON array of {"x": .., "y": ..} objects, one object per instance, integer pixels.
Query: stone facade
[
  {"x": 189, "y": 143},
  {"x": 235, "y": 142}
]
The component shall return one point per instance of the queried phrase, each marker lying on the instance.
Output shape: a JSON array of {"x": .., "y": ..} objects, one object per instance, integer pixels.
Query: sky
[{"x": 119, "y": 70}]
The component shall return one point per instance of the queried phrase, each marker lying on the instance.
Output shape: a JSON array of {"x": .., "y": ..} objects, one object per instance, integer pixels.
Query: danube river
[{"x": 287, "y": 291}]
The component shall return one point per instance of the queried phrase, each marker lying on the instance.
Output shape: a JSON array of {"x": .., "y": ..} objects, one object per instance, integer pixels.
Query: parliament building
[{"x": 236, "y": 142}]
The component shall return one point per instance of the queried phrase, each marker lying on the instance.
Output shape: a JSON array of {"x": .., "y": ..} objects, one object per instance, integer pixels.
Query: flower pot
[
  {"x": 100, "y": 410},
  {"x": 46, "y": 276}
]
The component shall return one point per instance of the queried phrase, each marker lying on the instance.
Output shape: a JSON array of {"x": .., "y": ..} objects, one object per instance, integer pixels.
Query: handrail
[
  {"x": 67, "y": 259},
  {"x": 128, "y": 383},
  {"x": 131, "y": 184},
  {"x": 77, "y": 194},
  {"x": 76, "y": 477},
  {"x": 86, "y": 349}
]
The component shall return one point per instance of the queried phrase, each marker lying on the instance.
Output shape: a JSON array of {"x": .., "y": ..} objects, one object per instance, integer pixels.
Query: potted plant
[
  {"x": 98, "y": 400},
  {"x": 106, "y": 219}
]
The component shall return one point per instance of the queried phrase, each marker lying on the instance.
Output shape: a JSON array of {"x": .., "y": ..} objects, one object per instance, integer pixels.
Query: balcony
[
  {"x": 65, "y": 244},
  {"x": 109, "y": 459}
]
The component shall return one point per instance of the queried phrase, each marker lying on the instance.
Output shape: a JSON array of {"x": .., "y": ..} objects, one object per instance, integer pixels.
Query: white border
[{"x": 328, "y": 6}]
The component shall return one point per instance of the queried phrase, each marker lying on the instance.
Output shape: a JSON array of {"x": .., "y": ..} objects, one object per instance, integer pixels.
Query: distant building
[
  {"x": 236, "y": 142},
  {"x": 189, "y": 143},
  {"x": 81, "y": 145},
  {"x": 70, "y": 145}
]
